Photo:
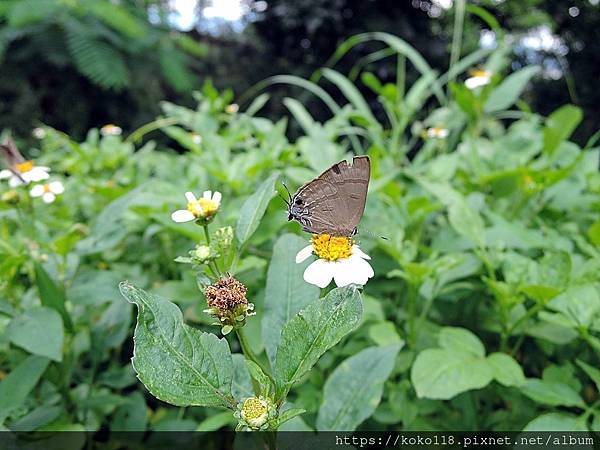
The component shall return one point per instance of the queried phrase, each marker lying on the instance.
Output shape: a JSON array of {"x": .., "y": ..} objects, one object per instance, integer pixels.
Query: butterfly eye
[{"x": 298, "y": 201}]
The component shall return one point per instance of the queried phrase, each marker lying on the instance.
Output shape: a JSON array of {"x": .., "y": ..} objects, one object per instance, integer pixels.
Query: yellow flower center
[
  {"x": 253, "y": 408},
  {"x": 479, "y": 73},
  {"x": 331, "y": 248},
  {"x": 46, "y": 188},
  {"x": 24, "y": 166},
  {"x": 203, "y": 207}
]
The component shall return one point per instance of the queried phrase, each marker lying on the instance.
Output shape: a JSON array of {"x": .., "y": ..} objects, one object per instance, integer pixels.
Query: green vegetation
[{"x": 483, "y": 313}]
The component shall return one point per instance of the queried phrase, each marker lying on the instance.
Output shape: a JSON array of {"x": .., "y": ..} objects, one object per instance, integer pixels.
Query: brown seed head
[{"x": 226, "y": 294}]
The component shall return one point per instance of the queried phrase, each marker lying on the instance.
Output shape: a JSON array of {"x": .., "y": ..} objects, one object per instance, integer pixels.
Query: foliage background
[{"x": 494, "y": 239}]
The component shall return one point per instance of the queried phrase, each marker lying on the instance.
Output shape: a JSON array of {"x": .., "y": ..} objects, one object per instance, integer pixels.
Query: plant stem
[
  {"x": 206, "y": 234},
  {"x": 411, "y": 316},
  {"x": 459, "y": 17},
  {"x": 249, "y": 354}
]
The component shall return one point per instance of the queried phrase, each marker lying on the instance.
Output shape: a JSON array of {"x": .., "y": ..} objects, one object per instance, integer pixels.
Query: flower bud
[
  {"x": 11, "y": 197},
  {"x": 254, "y": 413},
  {"x": 227, "y": 302},
  {"x": 202, "y": 254},
  {"x": 224, "y": 237}
]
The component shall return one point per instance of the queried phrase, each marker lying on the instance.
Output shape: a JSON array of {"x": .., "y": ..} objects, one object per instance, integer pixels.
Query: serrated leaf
[
  {"x": 314, "y": 330},
  {"x": 286, "y": 291},
  {"x": 177, "y": 363},
  {"x": 254, "y": 209},
  {"x": 39, "y": 331},
  {"x": 354, "y": 389}
]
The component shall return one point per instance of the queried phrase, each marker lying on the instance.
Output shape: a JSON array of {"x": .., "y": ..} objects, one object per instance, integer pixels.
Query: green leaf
[
  {"x": 51, "y": 295},
  {"x": 254, "y": 208},
  {"x": 384, "y": 333},
  {"x": 443, "y": 373},
  {"x": 351, "y": 93},
  {"x": 466, "y": 221},
  {"x": 354, "y": 389},
  {"x": 288, "y": 415},
  {"x": 506, "y": 370},
  {"x": 241, "y": 386},
  {"x": 300, "y": 114},
  {"x": 551, "y": 393},
  {"x": 580, "y": 304},
  {"x": 560, "y": 125},
  {"x": 216, "y": 421},
  {"x": 312, "y": 332},
  {"x": 556, "y": 421},
  {"x": 39, "y": 331},
  {"x": 286, "y": 291},
  {"x": 131, "y": 415},
  {"x": 509, "y": 91},
  {"x": 15, "y": 388},
  {"x": 177, "y": 363},
  {"x": 460, "y": 339},
  {"x": 263, "y": 380},
  {"x": 591, "y": 372}
]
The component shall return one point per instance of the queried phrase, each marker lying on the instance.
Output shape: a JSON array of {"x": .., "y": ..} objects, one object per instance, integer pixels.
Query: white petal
[
  {"x": 217, "y": 197},
  {"x": 319, "y": 273},
  {"x": 5, "y": 174},
  {"x": 358, "y": 252},
  {"x": 304, "y": 254},
  {"x": 207, "y": 195},
  {"x": 48, "y": 197},
  {"x": 56, "y": 187},
  {"x": 353, "y": 270},
  {"x": 36, "y": 174},
  {"x": 190, "y": 197},
  {"x": 15, "y": 181},
  {"x": 37, "y": 191},
  {"x": 475, "y": 82},
  {"x": 182, "y": 215}
]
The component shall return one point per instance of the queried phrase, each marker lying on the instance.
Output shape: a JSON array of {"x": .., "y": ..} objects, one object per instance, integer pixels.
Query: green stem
[
  {"x": 249, "y": 354},
  {"x": 412, "y": 334},
  {"x": 206, "y": 234},
  {"x": 459, "y": 17}
]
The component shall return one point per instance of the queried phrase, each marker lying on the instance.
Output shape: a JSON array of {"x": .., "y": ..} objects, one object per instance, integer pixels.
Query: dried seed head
[{"x": 227, "y": 302}]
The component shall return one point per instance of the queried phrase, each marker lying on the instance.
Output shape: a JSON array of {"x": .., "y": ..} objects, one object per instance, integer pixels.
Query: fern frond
[
  {"x": 97, "y": 60},
  {"x": 173, "y": 64}
]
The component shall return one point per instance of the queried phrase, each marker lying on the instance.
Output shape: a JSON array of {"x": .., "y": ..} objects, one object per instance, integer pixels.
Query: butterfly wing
[{"x": 334, "y": 202}]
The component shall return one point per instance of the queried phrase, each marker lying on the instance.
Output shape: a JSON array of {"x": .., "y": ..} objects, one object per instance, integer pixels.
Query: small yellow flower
[
  {"x": 339, "y": 259},
  {"x": 202, "y": 208},
  {"x": 255, "y": 412}
]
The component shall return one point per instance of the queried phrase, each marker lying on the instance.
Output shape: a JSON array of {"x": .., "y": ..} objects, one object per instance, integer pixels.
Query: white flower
[
  {"x": 110, "y": 130},
  {"x": 28, "y": 173},
  {"x": 437, "y": 132},
  {"x": 338, "y": 259},
  {"x": 232, "y": 109},
  {"x": 196, "y": 138},
  {"x": 478, "y": 78},
  {"x": 202, "y": 208},
  {"x": 47, "y": 191},
  {"x": 38, "y": 133}
]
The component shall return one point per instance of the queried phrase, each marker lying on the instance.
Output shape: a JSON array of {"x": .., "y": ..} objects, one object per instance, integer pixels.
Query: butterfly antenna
[
  {"x": 288, "y": 191},
  {"x": 373, "y": 235}
]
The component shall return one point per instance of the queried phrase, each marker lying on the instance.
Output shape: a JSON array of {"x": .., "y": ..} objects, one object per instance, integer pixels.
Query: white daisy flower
[
  {"x": 110, "y": 130},
  {"x": 202, "y": 208},
  {"x": 478, "y": 78},
  {"x": 437, "y": 132},
  {"x": 232, "y": 109},
  {"x": 38, "y": 133},
  {"x": 47, "y": 191},
  {"x": 338, "y": 259},
  {"x": 28, "y": 173},
  {"x": 196, "y": 138}
]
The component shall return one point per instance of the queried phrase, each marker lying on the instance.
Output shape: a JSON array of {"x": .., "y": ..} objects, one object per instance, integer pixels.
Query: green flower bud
[
  {"x": 11, "y": 197},
  {"x": 255, "y": 413}
]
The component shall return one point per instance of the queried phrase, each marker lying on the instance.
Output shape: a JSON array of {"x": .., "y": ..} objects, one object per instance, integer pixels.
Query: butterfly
[
  {"x": 12, "y": 158},
  {"x": 334, "y": 202}
]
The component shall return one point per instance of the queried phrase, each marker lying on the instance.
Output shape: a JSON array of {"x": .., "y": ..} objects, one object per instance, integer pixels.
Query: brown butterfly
[
  {"x": 334, "y": 202},
  {"x": 12, "y": 157}
]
